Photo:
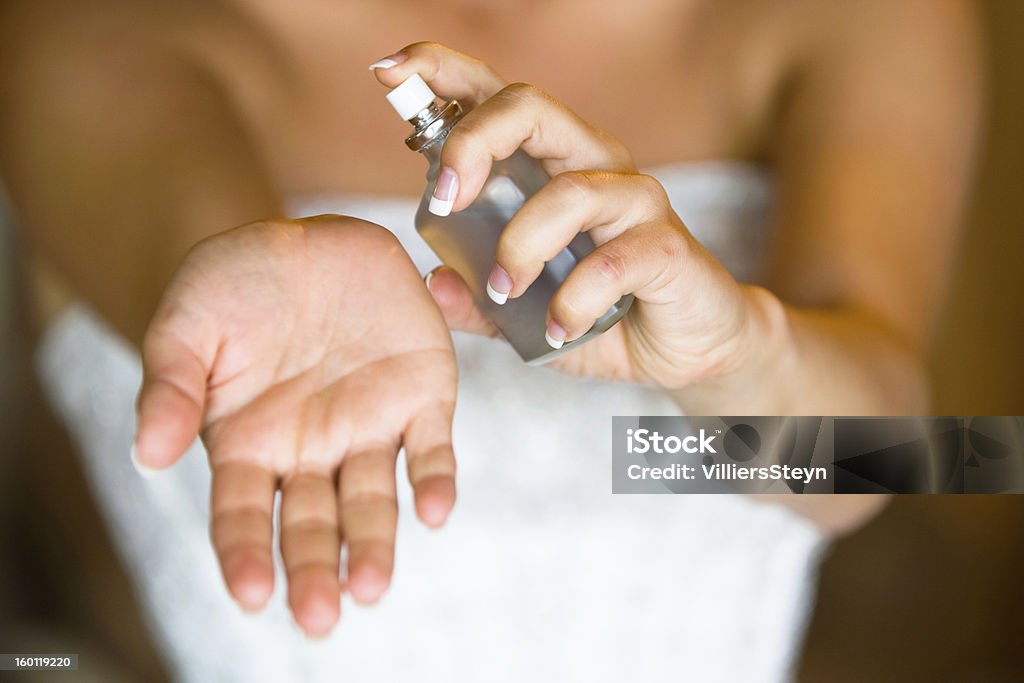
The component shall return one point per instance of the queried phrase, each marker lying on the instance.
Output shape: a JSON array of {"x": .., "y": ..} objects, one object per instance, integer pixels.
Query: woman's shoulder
[
  {"x": 887, "y": 29},
  {"x": 50, "y": 46}
]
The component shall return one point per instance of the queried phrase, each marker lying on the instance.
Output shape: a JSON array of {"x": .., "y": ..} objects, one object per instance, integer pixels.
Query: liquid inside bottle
[{"x": 466, "y": 241}]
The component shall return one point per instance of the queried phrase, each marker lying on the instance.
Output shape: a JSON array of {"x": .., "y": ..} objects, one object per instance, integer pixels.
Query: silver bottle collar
[{"x": 432, "y": 123}]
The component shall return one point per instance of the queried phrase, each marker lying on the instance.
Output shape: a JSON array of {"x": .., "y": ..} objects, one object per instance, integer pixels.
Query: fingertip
[
  {"x": 168, "y": 422},
  {"x": 252, "y": 597},
  {"x": 555, "y": 335},
  {"x": 435, "y": 498},
  {"x": 386, "y": 71},
  {"x": 367, "y": 582},
  {"x": 152, "y": 452},
  {"x": 250, "y": 582},
  {"x": 500, "y": 298},
  {"x": 449, "y": 290},
  {"x": 385, "y": 63},
  {"x": 432, "y": 514},
  {"x": 455, "y": 301},
  {"x": 145, "y": 471},
  {"x": 429, "y": 277},
  {"x": 315, "y": 601}
]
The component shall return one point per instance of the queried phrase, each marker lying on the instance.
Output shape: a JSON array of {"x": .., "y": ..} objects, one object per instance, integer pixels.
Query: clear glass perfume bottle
[{"x": 466, "y": 241}]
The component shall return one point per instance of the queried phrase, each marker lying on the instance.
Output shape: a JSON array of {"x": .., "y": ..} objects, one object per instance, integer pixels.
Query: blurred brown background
[{"x": 931, "y": 590}]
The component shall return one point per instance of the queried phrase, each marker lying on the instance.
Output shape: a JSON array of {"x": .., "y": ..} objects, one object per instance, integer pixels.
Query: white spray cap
[{"x": 411, "y": 97}]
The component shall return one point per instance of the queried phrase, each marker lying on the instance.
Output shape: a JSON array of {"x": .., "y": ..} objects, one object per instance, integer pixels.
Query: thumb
[
  {"x": 453, "y": 296},
  {"x": 172, "y": 398}
]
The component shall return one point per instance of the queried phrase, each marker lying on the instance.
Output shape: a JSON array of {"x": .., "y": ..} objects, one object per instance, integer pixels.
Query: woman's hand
[
  {"x": 717, "y": 346},
  {"x": 306, "y": 353},
  {"x": 691, "y": 321}
]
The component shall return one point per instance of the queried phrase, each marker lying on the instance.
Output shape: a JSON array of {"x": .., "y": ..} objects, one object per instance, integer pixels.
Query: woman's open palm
[{"x": 306, "y": 353}]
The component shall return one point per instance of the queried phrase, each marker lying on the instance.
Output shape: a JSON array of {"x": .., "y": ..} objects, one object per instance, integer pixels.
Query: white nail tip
[
  {"x": 552, "y": 342},
  {"x": 144, "y": 471},
  {"x": 383, "y": 64},
  {"x": 497, "y": 297},
  {"x": 440, "y": 207}
]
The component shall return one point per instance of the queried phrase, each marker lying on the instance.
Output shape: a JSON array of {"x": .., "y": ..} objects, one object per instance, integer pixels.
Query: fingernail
[
  {"x": 445, "y": 189},
  {"x": 554, "y": 335},
  {"x": 144, "y": 471},
  {"x": 389, "y": 61},
  {"x": 426, "y": 280},
  {"x": 499, "y": 284}
]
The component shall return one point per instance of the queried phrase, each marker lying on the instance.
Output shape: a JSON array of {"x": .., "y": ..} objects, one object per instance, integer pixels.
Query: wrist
[
  {"x": 757, "y": 364},
  {"x": 767, "y": 349}
]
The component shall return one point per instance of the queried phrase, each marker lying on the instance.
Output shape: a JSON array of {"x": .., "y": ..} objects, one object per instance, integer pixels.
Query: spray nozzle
[
  {"x": 414, "y": 101},
  {"x": 411, "y": 97}
]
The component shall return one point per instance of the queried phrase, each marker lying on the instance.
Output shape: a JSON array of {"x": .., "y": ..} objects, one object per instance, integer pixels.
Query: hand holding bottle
[
  {"x": 270, "y": 342},
  {"x": 691, "y": 322}
]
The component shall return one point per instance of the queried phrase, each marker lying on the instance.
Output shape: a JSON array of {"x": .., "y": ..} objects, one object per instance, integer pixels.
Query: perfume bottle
[{"x": 466, "y": 241}]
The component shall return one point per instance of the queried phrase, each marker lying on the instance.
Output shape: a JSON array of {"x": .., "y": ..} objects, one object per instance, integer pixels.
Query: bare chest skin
[{"x": 675, "y": 80}]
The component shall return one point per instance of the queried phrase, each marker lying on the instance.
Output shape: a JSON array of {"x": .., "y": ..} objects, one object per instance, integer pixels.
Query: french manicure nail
[
  {"x": 499, "y": 284},
  {"x": 144, "y": 471},
  {"x": 554, "y": 335},
  {"x": 389, "y": 61},
  {"x": 445, "y": 190}
]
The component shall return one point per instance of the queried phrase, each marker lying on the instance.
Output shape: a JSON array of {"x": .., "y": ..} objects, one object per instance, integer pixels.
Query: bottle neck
[
  {"x": 432, "y": 152},
  {"x": 433, "y": 123}
]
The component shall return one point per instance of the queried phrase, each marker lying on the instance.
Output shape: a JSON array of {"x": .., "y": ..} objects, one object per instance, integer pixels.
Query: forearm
[{"x": 794, "y": 361}]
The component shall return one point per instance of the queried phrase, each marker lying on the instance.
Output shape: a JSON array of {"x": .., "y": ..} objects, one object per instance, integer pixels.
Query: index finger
[
  {"x": 523, "y": 116},
  {"x": 504, "y": 118},
  {"x": 431, "y": 462},
  {"x": 450, "y": 74}
]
